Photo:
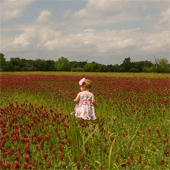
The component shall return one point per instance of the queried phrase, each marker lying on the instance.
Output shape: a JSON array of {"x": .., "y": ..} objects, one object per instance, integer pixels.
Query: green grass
[{"x": 107, "y": 74}]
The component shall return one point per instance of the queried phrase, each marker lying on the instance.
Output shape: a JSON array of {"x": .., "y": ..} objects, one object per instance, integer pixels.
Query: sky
[{"x": 104, "y": 31}]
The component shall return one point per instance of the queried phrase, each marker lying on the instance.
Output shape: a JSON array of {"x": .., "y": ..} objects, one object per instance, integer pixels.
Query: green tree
[
  {"x": 149, "y": 69},
  {"x": 79, "y": 69},
  {"x": 50, "y": 65},
  {"x": 139, "y": 66},
  {"x": 14, "y": 64},
  {"x": 163, "y": 65},
  {"x": 10, "y": 66},
  {"x": 88, "y": 67},
  {"x": 2, "y": 62},
  {"x": 122, "y": 69},
  {"x": 39, "y": 65},
  {"x": 116, "y": 68},
  {"x": 17, "y": 68},
  {"x": 15, "y": 61},
  {"x": 62, "y": 64},
  {"x": 74, "y": 64},
  {"x": 110, "y": 68},
  {"x": 133, "y": 70},
  {"x": 148, "y": 63},
  {"x": 102, "y": 68},
  {"x": 22, "y": 63},
  {"x": 126, "y": 65}
]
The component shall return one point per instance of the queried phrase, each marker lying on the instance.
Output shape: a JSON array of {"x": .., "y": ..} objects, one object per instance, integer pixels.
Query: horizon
[{"x": 78, "y": 61}]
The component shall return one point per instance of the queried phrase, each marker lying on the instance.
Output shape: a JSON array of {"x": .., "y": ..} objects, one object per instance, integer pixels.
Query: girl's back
[
  {"x": 85, "y": 100},
  {"x": 86, "y": 95},
  {"x": 85, "y": 108}
]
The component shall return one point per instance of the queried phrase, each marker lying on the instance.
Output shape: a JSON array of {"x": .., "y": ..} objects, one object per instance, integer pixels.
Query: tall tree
[
  {"x": 126, "y": 65},
  {"x": 62, "y": 64},
  {"x": 148, "y": 63},
  {"x": 77, "y": 63},
  {"x": 39, "y": 65},
  {"x": 88, "y": 67},
  {"x": 15, "y": 64},
  {"x": 164, "y": 66},
  {"x": 50, "y": 65},
  {"x": 140, "y": 65},
  {"x": 2, "y": 62}
]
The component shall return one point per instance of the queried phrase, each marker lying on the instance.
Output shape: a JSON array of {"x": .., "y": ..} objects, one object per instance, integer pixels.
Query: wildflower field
[{"x": 132, "y": 130}]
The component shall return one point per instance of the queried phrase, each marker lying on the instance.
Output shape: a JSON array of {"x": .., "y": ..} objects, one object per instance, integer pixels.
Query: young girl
[{"x": 84, "y": 101}]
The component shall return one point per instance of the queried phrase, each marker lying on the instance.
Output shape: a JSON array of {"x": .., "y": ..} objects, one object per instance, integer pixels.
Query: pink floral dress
[{"x": 84, "y": 108}]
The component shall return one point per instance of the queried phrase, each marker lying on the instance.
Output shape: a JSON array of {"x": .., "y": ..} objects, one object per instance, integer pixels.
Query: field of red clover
[{"x": 131, "y": 132}]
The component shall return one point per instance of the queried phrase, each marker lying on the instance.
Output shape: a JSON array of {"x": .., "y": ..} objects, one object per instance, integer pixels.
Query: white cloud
[
  {"x": 156, "y": 41},
  {"x": 100, "y": 12},
  {"x": 88, "y": 41},
  {"x": 66, "y": 13},
  {"x": 89, "y": 30},
  {"x": 6, "y": 29},
  {"x": 164, "y": 21},
  {"x": 32, "y": 38},
  {"x": 13, "y": 8},
  {"x": 44, "y": 17},
  {"x": 161, "y": 5}
]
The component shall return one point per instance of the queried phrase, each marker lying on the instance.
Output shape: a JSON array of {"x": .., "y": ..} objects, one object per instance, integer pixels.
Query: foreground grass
[{"x": 108, "y": 147}]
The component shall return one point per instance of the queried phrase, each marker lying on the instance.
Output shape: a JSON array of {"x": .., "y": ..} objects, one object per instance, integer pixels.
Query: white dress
[{"x": 84, "y": 108}]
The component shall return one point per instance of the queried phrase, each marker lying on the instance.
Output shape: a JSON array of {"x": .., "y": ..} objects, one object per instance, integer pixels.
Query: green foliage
[
  {"x": 163, "y": 66},
  {"x": 122, "y": 69},
  {"x": 15, "y": 61},
  {"x": 133, "y": 70},
  {"x": 17, "y": 64},
  {"x": 62, "y": 64},
  {"x": 50, "y": 64},
  {"x": 139, "y": 66},
  {"x": 110, "y": 68},
  {"x": 148, "y": 63},
  {"x": 40, "y": 65},
  {"x": 77, "y": 69},
  {"x": 149, "y": 69},
  {"x": 126, "y": 65},
  {"x": 2, "y": 62},
  {"x": 115, "y": 68},
  {"x": 75, "y": 64},
  {"x": 17, "y": 68},
  {"x": 88, "y": 67},
  {"x": 73, "y": 69},
  {"x": 101, "y": 68},
  {"x": 10, "y": 66}
]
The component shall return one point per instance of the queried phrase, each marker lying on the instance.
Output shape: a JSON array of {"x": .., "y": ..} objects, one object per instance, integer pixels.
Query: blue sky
[{"x": 94, "y": 30}]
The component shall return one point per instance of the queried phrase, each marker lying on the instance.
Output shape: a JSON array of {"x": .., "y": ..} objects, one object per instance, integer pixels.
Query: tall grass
[{"x": 124, "y": 127}]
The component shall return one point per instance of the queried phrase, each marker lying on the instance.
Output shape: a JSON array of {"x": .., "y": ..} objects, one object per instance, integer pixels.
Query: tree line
[{"x": 63, "y": 64}]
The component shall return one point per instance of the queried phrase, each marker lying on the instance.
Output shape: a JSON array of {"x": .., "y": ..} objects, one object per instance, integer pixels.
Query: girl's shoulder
[
  {"x": 91, "y": 93},
  {"x": 80, "y": 93},
  {"x": 88, "y": 93}
]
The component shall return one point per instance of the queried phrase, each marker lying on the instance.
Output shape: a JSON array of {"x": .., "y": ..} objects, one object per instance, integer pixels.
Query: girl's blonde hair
[{"x": 87, "y": 84}]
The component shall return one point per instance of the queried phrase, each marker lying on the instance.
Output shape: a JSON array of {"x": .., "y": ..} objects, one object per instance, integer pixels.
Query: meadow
[{"x": 38, "y": 132}]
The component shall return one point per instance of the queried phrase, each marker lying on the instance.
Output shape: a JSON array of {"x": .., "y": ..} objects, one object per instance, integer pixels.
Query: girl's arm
[
  {"x": 77, "y": 98},
  {"x": 93, "y": 100}
]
